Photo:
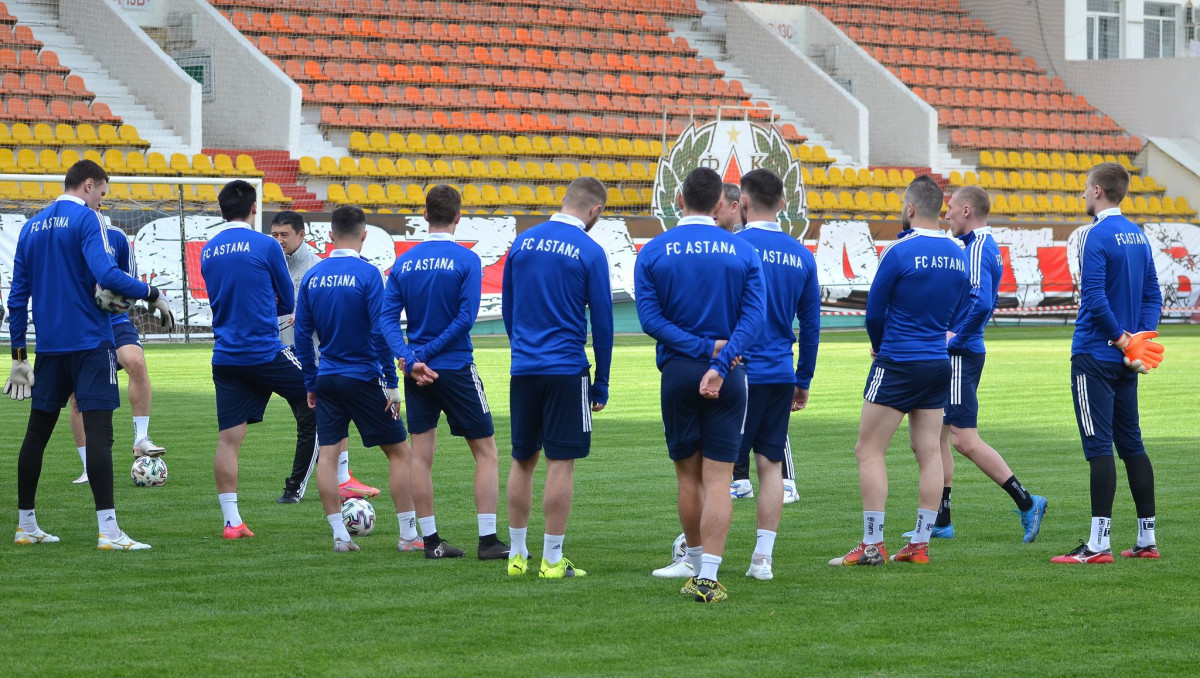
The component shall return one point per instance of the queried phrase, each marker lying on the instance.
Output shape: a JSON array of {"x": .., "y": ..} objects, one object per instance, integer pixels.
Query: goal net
[{"x": 167, "y": 221}]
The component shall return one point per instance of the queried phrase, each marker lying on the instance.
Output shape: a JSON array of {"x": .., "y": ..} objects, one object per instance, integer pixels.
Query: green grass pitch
[{"x": 284, "y": 604}]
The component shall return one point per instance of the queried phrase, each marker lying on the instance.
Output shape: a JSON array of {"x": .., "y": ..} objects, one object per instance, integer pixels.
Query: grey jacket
[{"x": 298, "y": 264}]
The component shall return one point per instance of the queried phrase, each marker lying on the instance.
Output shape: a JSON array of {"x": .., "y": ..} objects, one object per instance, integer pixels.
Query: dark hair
[
  {"x": 237, "y": 199},
  {"x": 762, "y": 188},
  {"x": 81, "y": 172},
  {"x": 732, "y": 192},
  {"x": 347, "y": 221},
  {"x": 585, "y": 193},
  {"x": 977, "y": 198},
  {"x": 701, "y": 190},
  {"x": 1112, "y": 178},
  {"x": 926, "y": 196},
  {"x": 443, "y": 204},
  {"x": 290, "y": 218}
]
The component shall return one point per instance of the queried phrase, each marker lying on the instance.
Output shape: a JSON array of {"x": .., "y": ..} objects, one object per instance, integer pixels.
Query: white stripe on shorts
[
  {"x": 292, "y": 357},
  {"x": 483, "y": 403},
  {"x": 746, "y": 409},
  {"x": 586, "y": 403},
  {"x": 1085, "y": 411},
  {"x": 873, "y": 388},
  {"x": 955, "y": 380}
]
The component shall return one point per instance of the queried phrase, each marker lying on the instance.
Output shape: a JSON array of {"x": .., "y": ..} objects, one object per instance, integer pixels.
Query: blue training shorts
[
  {"x": 342, "y": 399},
  {"x": 694, "y": 423},
  {"x": 917, "y": 385},
  {"x": 126, "y": 334},
  {"x": 962, "y": 410},
  {"x": 243, "y": 390},
  {"x": 551, "y": 412},
  {"x": 768, "y": 413},
  {"x": 1106, "y": 407},
  {"x": 459, "y": 393},
  {"x": 91, "y": 375}
]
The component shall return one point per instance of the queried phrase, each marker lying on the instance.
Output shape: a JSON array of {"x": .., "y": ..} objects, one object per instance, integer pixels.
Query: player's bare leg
[
  {"x": 556, "y": 497},
  {"x": 400, "y": 475},
  {"x": 519, "y": 498},
  {"x": 691, "y": 498},
  {"x": 876, "y": 427},
  {"x": 133, "y": 360},
  {"x": 331, "y": 500},
  {"x": 924, "y": 432},
  {"x": 225, "y": 469},
  {"x": 487, "y": 473},
  {"x": 970, "y": 445},
  {"x": 423, "y": 447},
  {"x": 718, "y": 505},
  {"x": 770, "y": 506}
]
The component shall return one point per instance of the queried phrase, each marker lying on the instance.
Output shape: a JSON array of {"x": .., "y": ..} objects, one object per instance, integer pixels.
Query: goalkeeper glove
[
  {"x": 159, "y": 304},
  {"x": 1141, "y": 354},
  {"x": 20, "y": 380}
]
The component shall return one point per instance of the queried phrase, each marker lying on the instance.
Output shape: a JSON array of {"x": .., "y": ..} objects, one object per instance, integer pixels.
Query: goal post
[{"x": 167, "y": 221}]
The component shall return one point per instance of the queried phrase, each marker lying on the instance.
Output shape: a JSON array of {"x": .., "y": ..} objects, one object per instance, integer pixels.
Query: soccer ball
[
  {"x": 679, "y": 548},
  {"x": 359, "y": 516},
  {"x": 148, "y": 472},
  {"x": 112, "y": 302}
]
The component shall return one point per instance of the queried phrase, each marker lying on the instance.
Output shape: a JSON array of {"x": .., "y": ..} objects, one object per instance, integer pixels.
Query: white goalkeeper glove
[
  {"x": 160, "y": 305},
  {"x": 20, "y": 379}
]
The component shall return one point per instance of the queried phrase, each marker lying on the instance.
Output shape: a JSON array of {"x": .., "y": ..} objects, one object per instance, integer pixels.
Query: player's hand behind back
[
  {"x": 710, "y": 384},
  {"x": 422, "y": 374},
  {"x": 799, "y": 399}
]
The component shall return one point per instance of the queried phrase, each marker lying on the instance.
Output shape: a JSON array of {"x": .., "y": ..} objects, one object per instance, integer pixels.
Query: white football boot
[
  {"x": 760, "y": 568},
  {"x": 680, "y": 569},
  {"x": 790, "y": 494},
  {"x": 38, "y": 536},
  {"x": 121, "y": 543},
  {"x": 741, "y": 489},
  {"x": 146, "y": 448},
  {"x": 81, "y": 480}
]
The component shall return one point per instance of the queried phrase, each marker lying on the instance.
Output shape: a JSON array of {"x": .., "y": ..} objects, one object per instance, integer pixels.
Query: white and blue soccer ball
[
  {"x": 112, "y": 302},
  {"x": 679, "y": 548},
  {"x": 148, "y": 472},
  {"x": 358, "y": 516}
]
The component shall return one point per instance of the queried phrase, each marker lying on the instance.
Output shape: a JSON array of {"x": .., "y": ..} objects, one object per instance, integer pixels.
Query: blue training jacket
[
  {"x": 118, "y": 247},
  {"x": 553, "y": 271},
  {"x": 61, "y": 255},
  {"x": 341, "y": 299},
  {"x": 695, "y": 284},
  {"x": 1118, "y": 286},
  {"x": 919, "y": 288},
  {"x": 986, "y": 267},
  {"x": 249, "y": 287},
  {"x": 793, "y": 293},
  {"x": 437, "y": 285}
]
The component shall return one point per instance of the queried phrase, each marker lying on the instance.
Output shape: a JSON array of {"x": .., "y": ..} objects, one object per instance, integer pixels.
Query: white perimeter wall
[
  {"x": 256, "y": 105},
  {"x": 783, "y": 68},
  {"x": 138, "y": 62}
]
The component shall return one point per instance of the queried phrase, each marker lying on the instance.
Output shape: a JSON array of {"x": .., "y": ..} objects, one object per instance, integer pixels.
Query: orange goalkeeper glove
[{"x": 1141, "y": 353}]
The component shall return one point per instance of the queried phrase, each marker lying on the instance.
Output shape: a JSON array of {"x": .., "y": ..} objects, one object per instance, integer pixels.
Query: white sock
[
  {"x": 552, "y": 547},
  {"x": 1100, "y": 530},
  {"x": 27, "y": 520},
  {"x": 487, "y": 523},
  {"x": 924, "y": 529},
  {"x": 516, "y": 537},
  {"x": 408, "y": 525},
  {"x": 872, "y": 527},
  {"x": 229, "y": 508},
  {"x": 107, "y": 519},
  {"x": 343, "y": 467},
  {"x": 428, "y": 525},
  {"x": 693, "y": 556},
  {"x": 766, "y": 543},
  {"x": 141, "y": 429},
  {"x": 1146, "y": 532},
  {"x": 339, "y": 527},
  {"x": 708, "y": 566},
  {"x": 83, "y": 456}
]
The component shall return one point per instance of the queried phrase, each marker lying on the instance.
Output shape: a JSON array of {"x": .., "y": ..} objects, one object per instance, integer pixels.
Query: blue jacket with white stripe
[{"x": 985, "y": 266}]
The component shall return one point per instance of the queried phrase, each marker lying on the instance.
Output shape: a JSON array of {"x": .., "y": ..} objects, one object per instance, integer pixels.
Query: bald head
[
  {"x": 922, "y": 203},
  {"x": 968, "y": 209}
]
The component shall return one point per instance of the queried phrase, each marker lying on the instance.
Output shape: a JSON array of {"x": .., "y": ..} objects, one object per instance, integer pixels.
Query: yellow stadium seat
[
  {"x": 985, "y": 159},
  {"x": 27, "y": 161},
  {"x": 395, "y": 194},
  {"x": 471, "y": 196},
  {"x": 575, "y": 146},
  {"x": 1041, "y": 161},
  {"x": 533, "y": 171},
  {"x": 570, "y": 172},
  {"x": 956, "y": 179},
  {"x": 309, "y": 166},
  {"x": 837, "y": 178},
  {"x": 604, "y": 171},
  {"x": 514, "y": 170},
  {"x": 422, "y": 168},
  {"x": 812, "y": 201},
  {"x": 505, "y": 145},
  {"x": 130, "y": 137},
  {"x": 522, "y": 145},
  {"x": 21, "y": 134},
  {"x": 560, "y": 192},
  {"x": 348, "y": 167},
  {"x": 970, "y": 179},
  {"x": 1127, "y": 206},
  {"x": 1056, "y": 162},
  {"x": 433, "y": 144},
  {"x": 1057, "y": 204},
  {"x": 552, "y": 172},
  {"x": 223, "y": 164},
  {"x": 368, "y": 167},
  {"x": 615, "y": 199},
  {"x": 656, "y": 148},
  {"x": 489, "y": 195},
  {"x": 558, "y": 146},
  {"x": 544, "y": 196},
  {"x": 895, "y": 178},
  {"x": 245, "y": 164},
  {"x": 357, "y": 194},
  {"x": 820, "y": 177},
  {"x": 1151, "y": 185},
  {"x": 180, "y": 163},
  {"x": 878, "y": 202},
  {"x": 985, "y": 179},
  {"x": 459, "y": 169},
  {"x": 376, "y": 195},
  {"x": 862, "y": 202},
  {"x": 477, "y": 169},
  {"x": 1000, "y": 204},
  {"x": 608, "y": 146},
  {"x": 43, "y": 135},
  {"x": 273, "y": 194},
  {"x": 7, "y": 140},
  {"x": 441, "y": 169},
  {"x": 358, "y": 142},
  {"x": 488, "y": 145},
  {"x": 48, "y": 160},
  {"x": 405, "y": 168},
  {"x": 470, "y": 144},
  {"x": 414, "y": 195},
  {"x": 164, "y": 192},
  {"x": 8, "y": 161},
  {"x": 336, "y": 194},
  {"x": 496, "y": 170},
  {"x": 114, "y": 162},
  {"x": 539, "y": 145},
  {"x": 108, "y": 135},
  {"x": 1154, "y": 205},
  {"x": 157, "y": 164},
  {"x": 845, "y": 201},
  {"x": 508, "y": 196},
  {"x": 591, "y": 146},
  {"x": 452, "y": 144},
  {"x": 202, "y": 165},
  {"x": 525, "y": 196},
  {"x": 820, "y": 155}
]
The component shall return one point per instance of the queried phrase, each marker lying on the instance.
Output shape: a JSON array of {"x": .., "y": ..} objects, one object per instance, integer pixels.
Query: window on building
[
  {"x": 1103, "y": 29},
  {"x": 1160, "y": 24}
]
